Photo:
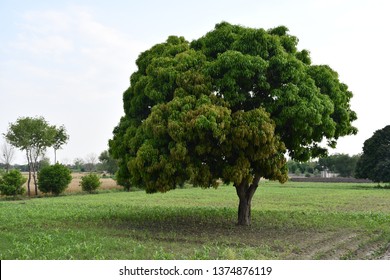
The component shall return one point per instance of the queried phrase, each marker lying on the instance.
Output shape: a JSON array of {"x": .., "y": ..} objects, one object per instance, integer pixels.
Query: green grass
[{"x": 290, "y": 221}]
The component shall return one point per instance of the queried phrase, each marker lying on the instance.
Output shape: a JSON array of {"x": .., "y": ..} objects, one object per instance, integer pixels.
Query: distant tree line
[
  {"x": 91, "y": 163},
  {"x": 372, "y": 164},
  {"x": 342, "y": 164},
  {"x": 104, "y": 163}
]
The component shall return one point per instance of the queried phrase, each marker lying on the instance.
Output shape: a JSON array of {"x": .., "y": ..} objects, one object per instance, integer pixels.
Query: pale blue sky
[{"x": 70, "y": 61}]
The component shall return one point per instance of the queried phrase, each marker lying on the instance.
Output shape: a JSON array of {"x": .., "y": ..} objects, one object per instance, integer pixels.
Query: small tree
[
  {"x": 60, "y": 138},
  {"x": 90, "y": 182},
  {"x": 12, "y": 183},
  {"x": 54, "y": 179}
]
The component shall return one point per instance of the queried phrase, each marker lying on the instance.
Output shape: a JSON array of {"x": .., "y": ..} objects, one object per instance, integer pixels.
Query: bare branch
[{"x": 7, "y": 154}]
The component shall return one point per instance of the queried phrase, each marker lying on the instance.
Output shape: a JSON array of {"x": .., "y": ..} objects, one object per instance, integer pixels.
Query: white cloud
[
  {"x": 75, "y": 48},
  {"x": 43, "y": 45}
]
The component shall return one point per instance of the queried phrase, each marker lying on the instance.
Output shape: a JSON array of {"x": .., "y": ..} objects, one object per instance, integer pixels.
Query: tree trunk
[
  {"x": 28, "y": 182},
  {"x": 245, "y": 194},
  {"x": 34, "y": 159},
  {"x": 35, "y": 170},
  {"x": 244, "y": 212},
  {"x": 32, "y": 170},
  {"x": 29, "y": 174},
  {"x": 35, "y": 181}
]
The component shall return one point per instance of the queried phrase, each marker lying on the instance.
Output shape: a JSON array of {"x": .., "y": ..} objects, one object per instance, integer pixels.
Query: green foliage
[
  {"x": 31, "y": 133},
  {"x": 90, "y": 182},
  {"x": 307, "y": 102},
  {"x": 374, "y": 163},
  {"x": 228, "y": 105},
  {"x": 11, "y": 183},
  {"x": 54, "y": 179}
]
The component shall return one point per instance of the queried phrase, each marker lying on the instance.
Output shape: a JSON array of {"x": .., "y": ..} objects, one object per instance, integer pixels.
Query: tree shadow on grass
[{"x": 211, "y": 225}]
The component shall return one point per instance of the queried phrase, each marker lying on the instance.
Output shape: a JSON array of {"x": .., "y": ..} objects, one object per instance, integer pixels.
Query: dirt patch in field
[
  {"x": 386, "y": 256},
  {"x": 328, "y": 245}
]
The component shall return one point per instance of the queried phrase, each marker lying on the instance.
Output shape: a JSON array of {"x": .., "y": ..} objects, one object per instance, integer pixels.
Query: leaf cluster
[
  {"x": 255, "y": 68},
  {"x": 201, "y": 141}
]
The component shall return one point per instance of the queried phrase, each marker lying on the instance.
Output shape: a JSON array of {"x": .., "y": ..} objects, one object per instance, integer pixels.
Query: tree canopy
[
  {"x": 228, "y": 106},
  {"x": 374, "y": 164}
]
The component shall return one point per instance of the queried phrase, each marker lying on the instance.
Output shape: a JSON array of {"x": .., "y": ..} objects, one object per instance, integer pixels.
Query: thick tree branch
[{"x": 253, "y": 187}]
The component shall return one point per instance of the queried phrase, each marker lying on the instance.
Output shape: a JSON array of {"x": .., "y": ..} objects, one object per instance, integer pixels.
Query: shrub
[
  {"x": 54, "y": 178},
  {"x": 12, "y": 182},
  {"x": 90, "y": 182}
]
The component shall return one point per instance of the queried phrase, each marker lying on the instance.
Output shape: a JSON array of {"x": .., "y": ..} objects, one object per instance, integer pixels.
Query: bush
[
  {"x": 54, "y": 178},
  {"x": 11, "y": 183},
  {"x": 90, "y": 182}
]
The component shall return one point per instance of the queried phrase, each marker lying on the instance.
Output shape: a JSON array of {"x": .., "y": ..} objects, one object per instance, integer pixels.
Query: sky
[{"x": 70, "y": 61}]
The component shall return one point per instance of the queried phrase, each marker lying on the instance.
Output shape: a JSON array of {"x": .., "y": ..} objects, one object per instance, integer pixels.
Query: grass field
[{"x": 290, "y": 221}]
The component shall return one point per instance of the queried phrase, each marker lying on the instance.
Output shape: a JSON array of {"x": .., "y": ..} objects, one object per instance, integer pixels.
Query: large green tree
[
  {"x": 374, "y": 164},
  {"x": 34, "y": 136},
  {"x": 228, "y": 106}
]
